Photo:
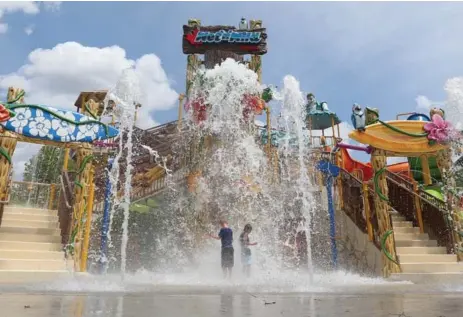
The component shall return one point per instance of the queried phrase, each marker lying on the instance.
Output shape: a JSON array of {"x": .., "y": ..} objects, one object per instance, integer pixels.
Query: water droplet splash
[{"x": 126, "y": 95}]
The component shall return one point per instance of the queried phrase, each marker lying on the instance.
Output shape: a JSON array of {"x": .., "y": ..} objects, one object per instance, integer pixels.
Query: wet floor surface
[
  {"x": 147, "y": 294},
  {"x": 230, "y": 305}
]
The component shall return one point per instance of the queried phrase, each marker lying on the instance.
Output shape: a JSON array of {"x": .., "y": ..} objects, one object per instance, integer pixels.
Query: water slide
[
  {"x": 417, "y": 173},
  {"x": 352, "y": 165},
  {"x": 417, "y": 170}
]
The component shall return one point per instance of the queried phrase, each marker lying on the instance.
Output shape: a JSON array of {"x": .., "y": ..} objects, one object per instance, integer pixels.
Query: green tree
[{"x": 45, "y": 166}]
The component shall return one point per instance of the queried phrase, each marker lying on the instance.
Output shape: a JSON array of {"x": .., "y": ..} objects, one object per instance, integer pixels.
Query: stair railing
[
  {"x": 352, "y": 195},
  {"x": 437, "y": 220},
  {"x": 402, "y": 197},
  {"x": 424, "y": 210},
  {"x": 31, "y": 194},
  {"x": 63, "y": 190},
  {"x": 157, "y": 186},
  {"x": 65, "y": 206}
]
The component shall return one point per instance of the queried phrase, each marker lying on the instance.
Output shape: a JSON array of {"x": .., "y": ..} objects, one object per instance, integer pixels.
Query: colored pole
[
  {"x": 366, "y": 149},
  {"x": 88, "y": 228},
  {"x": 180, "y": 111},
  {"x": 334, "y": 250},
  {"x": 66, "y": 160},
  {"x": 105, "y": 223},
  {"x": 51, "y": 198}
]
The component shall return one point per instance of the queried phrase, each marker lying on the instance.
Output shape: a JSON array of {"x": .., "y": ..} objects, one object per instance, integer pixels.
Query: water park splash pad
[
  {"x": 323, "y": 221},
  {"x": 222, "y": 192},
  {"x": 185, "y": 257}
]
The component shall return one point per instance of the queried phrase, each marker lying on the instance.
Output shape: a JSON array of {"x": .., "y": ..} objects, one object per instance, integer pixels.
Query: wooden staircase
[
  {"x": 421, "y": 260},
  {"x": 30, "y": 246}
]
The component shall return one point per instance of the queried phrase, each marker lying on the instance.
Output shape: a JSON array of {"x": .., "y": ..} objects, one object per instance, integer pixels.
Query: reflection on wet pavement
[{"x": 230, "y": 305}]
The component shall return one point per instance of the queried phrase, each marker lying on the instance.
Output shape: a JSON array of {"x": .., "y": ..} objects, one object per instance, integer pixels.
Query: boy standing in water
[
  {"x": 245, "y": 250},
  {"x": 227, "y": 253}
]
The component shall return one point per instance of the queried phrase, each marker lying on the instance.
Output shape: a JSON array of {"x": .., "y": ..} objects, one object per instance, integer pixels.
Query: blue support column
[
  {"x": 330, "y": 171},
  {"x": 105, "y": 222},
  {"x": 334, "y": 249}
]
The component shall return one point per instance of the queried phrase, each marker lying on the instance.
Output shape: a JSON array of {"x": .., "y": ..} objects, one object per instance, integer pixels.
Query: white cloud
[
  {"x": 52, "y": 6},
  {"x": 6, "y": 7},
  {"x": 29, "y": 29},
  {"x": 27, "y": 7},
  {"x": 374, "y": 40},
  {"x": 453, "y": 106},
  {"x": 353, "y": 31},
  {"x": 423, "y": 103},
  {"x": 56, "y": 76}
]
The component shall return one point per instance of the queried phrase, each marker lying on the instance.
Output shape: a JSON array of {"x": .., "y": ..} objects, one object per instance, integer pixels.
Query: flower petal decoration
[
  {"x": 199, "y": 109},
  {"x": 439, "y": 130},
  {"x": 40, "y": 127}
]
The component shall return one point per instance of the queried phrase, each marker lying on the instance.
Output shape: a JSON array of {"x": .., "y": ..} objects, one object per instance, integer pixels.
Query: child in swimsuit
[
  {"x": 227, "y": 252},
  {"x": 245, "y": 250}
]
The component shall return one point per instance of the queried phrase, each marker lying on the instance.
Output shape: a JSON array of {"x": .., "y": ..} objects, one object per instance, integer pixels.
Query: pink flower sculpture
[{"x": 439, "y": 130}]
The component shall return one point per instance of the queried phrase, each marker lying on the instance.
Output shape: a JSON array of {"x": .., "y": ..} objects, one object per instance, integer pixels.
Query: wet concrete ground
[
  {"x": 146, "y": 294},
  {"x": 230, "y": 305}
]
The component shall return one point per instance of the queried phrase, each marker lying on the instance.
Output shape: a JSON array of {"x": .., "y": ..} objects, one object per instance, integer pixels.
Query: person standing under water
[
  {"x": 245, "y": 250},
  {"x": 227, "y": 252},
  {"x": 302, "y": 245}
]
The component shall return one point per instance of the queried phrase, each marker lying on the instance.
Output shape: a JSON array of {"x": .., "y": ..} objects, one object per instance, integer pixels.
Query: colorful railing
[
  {"x": 402, "y": 197},
  {"x": 65, "y": 205},
  {"x": 358, "y": 204},
  {"x": 436, "y": 220},
  {"x": 144, "y": 192},
  {"x": 352, "y": 195},
  {"x": 34, "y": 194},
  {"x": 158, "y": 185},
  {"x": 426, "y": 211}
]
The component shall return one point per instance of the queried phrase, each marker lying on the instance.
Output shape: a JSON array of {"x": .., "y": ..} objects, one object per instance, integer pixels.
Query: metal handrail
[
  {"x": 434, "y": 201},
  {"x": 415, "y": 193},
  {"x": 63, "y": 188},
  {"x": 177, "y": 177},
  {"x": 31, "y": 183}
]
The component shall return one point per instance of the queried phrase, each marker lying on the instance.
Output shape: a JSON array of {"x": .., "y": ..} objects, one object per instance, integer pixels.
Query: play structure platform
[{"x": 401, "y": 207}]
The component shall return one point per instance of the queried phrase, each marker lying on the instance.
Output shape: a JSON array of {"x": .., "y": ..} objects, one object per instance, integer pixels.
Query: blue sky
[{"x": 378, "y": 54}]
